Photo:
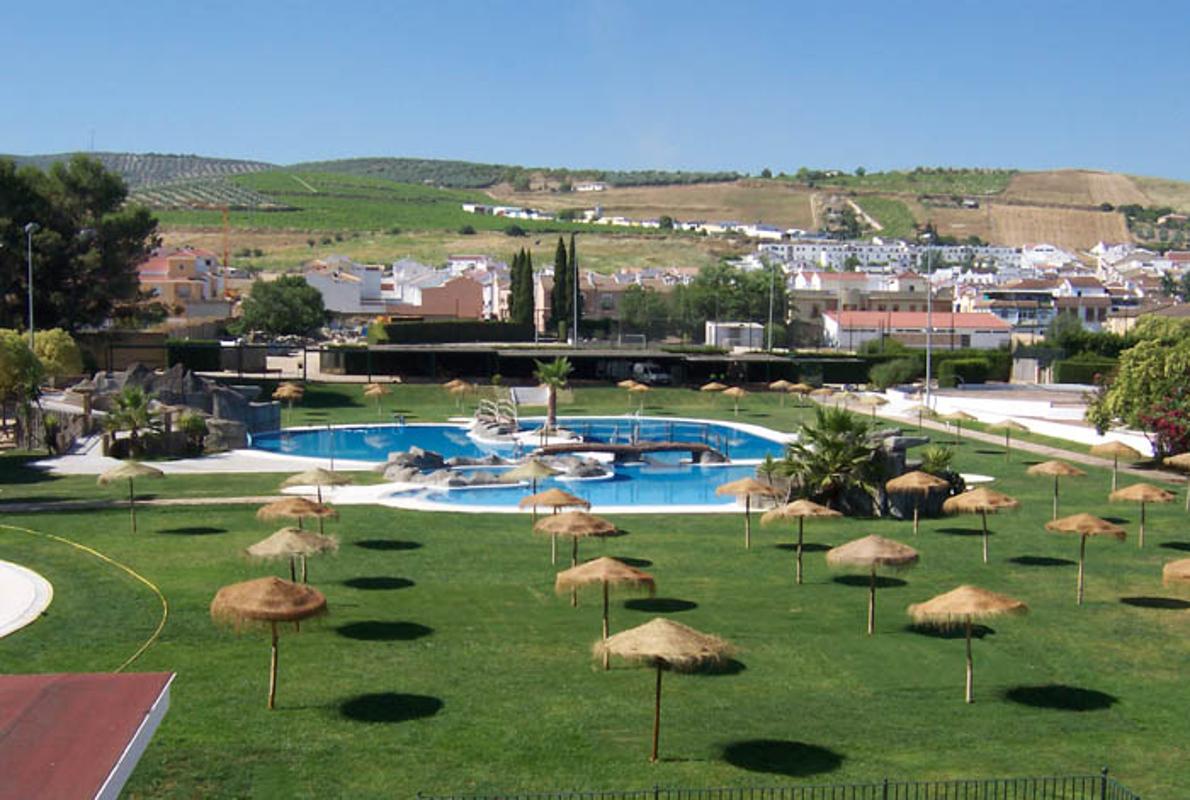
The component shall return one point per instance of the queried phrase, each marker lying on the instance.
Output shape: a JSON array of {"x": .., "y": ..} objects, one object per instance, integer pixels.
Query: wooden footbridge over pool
[{"x": 633, "y": 452}]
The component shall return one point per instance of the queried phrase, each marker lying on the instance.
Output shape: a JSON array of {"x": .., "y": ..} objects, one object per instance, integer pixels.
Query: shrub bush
[
  {"x": 1083, "y": 368},
  {"x": 893, "y": 373}
]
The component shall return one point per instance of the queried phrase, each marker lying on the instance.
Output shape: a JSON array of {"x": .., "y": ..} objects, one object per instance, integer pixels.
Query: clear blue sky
[{"x": 617, "y": 84}]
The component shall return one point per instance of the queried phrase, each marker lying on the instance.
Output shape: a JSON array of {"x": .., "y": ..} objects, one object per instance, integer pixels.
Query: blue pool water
[{"x": 663, "y": 480}]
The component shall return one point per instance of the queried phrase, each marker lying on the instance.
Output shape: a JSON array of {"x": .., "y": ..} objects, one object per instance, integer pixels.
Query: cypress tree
[
  {"x": 514, "y": 282},
  {"x": 560, "y": 296},
  {"x": 572, "y": 269},
  {"x": 527, "y": 287}
]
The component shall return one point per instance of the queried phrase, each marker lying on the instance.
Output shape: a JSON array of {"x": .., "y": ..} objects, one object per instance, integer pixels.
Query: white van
[{"x": 650, "y": 373}]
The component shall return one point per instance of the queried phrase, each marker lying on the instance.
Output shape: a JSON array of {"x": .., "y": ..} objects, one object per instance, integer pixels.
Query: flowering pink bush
[{"x": 1167, "y": 422}]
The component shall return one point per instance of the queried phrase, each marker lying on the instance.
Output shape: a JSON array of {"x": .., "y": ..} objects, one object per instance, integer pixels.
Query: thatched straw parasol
[
  {"x": 459, "y": 391},
  {"x": 267, "y": 601},
  {"x": 963, "y": 605},
  {"x": 377, "y": 391},
  {"x": 531, "y": 469},
  {"x": 640, "y": 389},
  {"x": 801, "y": 390},
  {"x": 746, "y": 488},
  {"x": 917, "y": 483},
  {"x": 453, "y": 383},
  {"x": 1181, "y": 462},
  {"x": 1176, "y": 571},
  {"x": 872, "y": 401},
  {"x": 872, "y": 553},
  {"x": 982, "y": 501},
  {"x": 920, "y": 411},
  {"x": 293, "y": 543},
  {"x": 607, "y": 572},
  {"x": 628, "y": 383},
  {"x": 1142, "y": 493},
  {"x": 555, "y": 499},
  {"x": 664, "y": 644},
  {"x": 799, "y": 510},
  {"x": 1009, "y": 426},
  {"x": 783, "y": 386},
  {"x": 736, "y": 393},
  {"x": 576, "y": 525},
  {"x": 289, "y": 393},
  {"x": 821, "y": 392},
  {"x": 317, "y": 477},
  {"x": 130, "y": 471},
  {"x": 1116, "y": 450},
  {"x": 298, "y": 508},
  {"x": 1058, "y": 469},
  {"x": 1084, "y": 525},
  {"x": 958, "y": 418}
]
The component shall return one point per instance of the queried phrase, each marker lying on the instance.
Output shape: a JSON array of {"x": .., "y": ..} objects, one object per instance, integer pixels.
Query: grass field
[
  {"x": 447, "y": 663},
  {"x": 894, "y": 215}
]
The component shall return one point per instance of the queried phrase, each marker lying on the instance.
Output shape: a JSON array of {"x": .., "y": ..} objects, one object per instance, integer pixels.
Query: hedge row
[
  {"x": 445, "y": 331},
  {"x": 1082, "y": 369},
  {"x": 968, "y": 370}
]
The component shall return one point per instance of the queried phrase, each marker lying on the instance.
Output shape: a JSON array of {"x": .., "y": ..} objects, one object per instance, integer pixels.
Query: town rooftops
[
  {"x": 76, "y": 735},
  {"x": 917, "y": 319}
]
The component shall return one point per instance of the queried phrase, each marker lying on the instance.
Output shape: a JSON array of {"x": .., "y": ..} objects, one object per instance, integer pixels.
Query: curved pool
[{"x": 662, "y": 480}]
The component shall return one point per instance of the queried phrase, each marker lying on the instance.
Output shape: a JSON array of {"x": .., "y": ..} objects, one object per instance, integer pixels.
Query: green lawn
[
  {"x": 894, "y": 215},
  {"x": 448, "y": 665}
]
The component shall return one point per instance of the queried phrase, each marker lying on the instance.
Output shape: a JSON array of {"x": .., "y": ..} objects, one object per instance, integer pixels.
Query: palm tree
[
  {"x": 831, "y": 456},
  {"x": 553, "y": 375},
  {"x": 130, "y": 412}
]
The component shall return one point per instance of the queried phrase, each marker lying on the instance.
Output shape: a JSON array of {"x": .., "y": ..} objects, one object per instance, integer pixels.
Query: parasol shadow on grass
[
  {"x": 1183, "y": 546},
  {"x": 387, "y": 544},
  {"x": 807, "y": 547},
  {"x": 882, "y": 581},
  {"x": 196, "y": 530},
  {"x": 1161, "y": 603},
  {"x": 639, "y": 563},
  {"x": 1059, "y": 697},
  {"x": 1042, "y": 561},
  {"x": 381, "y": 631},
  {"x": 721, "y": 669},
  {"x": 374, "y": 583},
  {"x": 390, "y": 707},
  {"x": 963, "y": 531},
  {"x": 782, "y": 757},
  {"x": 936, "y": 632},
  {"x": 660, "y": 605}
]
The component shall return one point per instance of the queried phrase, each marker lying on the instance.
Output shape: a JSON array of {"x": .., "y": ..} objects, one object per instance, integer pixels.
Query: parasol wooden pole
[
  {"x": 1140, "y": 539},
  {"x": 273, "y": 669},
  {"x": 573, "y": 564},
  {"x": 983, "y": 514},
  {"x": 1115, "y": 466},
  {"x": 872, "y": 601},
  {"x": 916, "y": 514},
  {"x": 801, "y": 521},
  {"x": 958, "y": 427},
  {"x": 656, "y": 716},
  {"x": 747, "y": 522},
  {"x": 303, "y": 568},
  {"x": 1188, "y": 494},
  {"x": 606, "y": 629},
  {"x": 1007, "y": 444},
  {"x": 1082, "y": 554},
  {"x": 1055, "y": 497},
  {"x": 970, "y": 697},
  {"x": 292, "y": 570},
  {"x": 132, "y": 505}
]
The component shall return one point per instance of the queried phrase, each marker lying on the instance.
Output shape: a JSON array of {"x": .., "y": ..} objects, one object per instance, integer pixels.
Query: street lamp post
[
  {"x": 30, "y": 229},
  {"x": 929, "y": 318}
]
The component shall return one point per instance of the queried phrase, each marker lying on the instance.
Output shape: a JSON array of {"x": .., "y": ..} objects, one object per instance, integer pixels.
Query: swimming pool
[{"x": 663, "y": 479}]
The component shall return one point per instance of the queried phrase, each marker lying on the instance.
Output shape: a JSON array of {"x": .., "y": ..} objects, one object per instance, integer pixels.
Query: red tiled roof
[
  {"x": 64, "y": 735},
  {"x": 1085, "y": 282},
  {"x": 917, "y": 319}
]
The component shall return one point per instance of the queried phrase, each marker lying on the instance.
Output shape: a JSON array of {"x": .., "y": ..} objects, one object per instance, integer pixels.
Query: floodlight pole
[
  {"x": 772, "y": 290},
  {"x": 929, "y": 319},
  {"x": 30, "y": 229},
  {"x": 574, "y": 250}
]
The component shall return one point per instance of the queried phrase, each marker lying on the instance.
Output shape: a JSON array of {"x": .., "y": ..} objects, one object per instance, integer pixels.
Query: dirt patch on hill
[
  {"x": 1064, "y": 227},
  {"x": 1075, "y": 187}
]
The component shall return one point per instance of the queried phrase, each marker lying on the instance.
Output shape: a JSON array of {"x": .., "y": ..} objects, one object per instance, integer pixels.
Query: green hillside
[
  {"x": 339, "y": 202},
  {"x": 148, "y": 169}
]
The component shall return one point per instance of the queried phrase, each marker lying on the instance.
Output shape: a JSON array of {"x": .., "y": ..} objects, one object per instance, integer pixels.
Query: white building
[
  {"x": 849, "y": 330},
  {"x": 732, "y": 335}
]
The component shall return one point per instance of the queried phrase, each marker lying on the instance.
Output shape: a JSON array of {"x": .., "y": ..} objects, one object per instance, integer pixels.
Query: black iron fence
[{"x": 1064, "y": 787}]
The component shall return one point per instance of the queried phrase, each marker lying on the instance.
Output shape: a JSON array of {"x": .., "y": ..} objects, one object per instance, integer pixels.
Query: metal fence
[{"x": 1066, "y": 787}]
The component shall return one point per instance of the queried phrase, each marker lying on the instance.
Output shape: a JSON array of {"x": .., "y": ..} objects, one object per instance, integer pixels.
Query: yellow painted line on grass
[{"x": 109, "y": 560}]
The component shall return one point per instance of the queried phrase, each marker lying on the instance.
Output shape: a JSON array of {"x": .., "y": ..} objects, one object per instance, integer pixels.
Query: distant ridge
[{"x": 152, "y": 169}]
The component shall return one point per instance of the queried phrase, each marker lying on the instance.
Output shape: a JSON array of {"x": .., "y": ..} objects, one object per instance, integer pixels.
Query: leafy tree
[
  {"x": 195, "y": 428},
  {"x": 514, "y": 231},
  {"x": 937, "y": 460},
  {"x": 642, "y": 308},
  {"x": 1148, "y": 392},
  {"x": 85, "y": 251},
  {"x": 665, "y": 222},
  {"x": 20, "y": 371},
  {"x": 467, "y": 230},
  {"x": 860, "y": 172},
  {"x": 553, "y": 375},
  {"x": 520, "y": 183},
  {"x": 59, "y": 355},
  {"x": 832, "y": 457},
  {"x": 286, "y": 306},
  {"x": 894, "y": 373},
  {"x": 766, "y": 173}
]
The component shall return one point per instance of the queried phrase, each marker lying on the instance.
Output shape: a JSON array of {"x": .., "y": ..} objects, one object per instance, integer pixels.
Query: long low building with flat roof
[{"x": 849, "y": 330}]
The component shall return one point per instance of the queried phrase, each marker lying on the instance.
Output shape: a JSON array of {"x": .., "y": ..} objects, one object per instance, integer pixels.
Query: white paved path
[{"x": 23, "y": 596}]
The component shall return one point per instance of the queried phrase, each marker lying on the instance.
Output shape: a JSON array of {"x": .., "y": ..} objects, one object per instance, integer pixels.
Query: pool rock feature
[{"x": 416, "y": 458}]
